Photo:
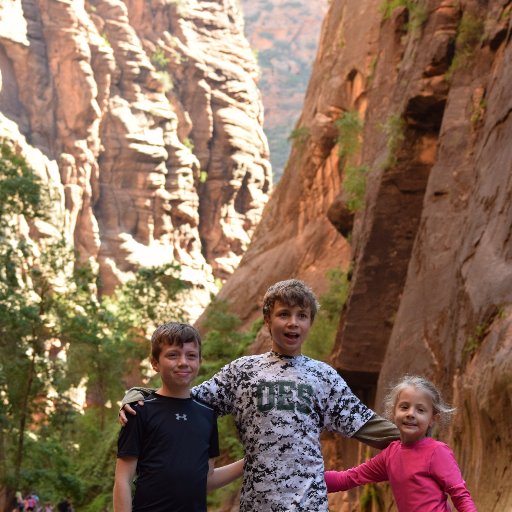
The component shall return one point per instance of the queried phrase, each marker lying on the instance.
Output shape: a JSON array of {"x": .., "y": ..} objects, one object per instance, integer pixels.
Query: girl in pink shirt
[{"x": 422, "y": 472}]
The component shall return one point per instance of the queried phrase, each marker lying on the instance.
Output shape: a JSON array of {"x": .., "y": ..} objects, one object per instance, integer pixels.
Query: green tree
[
  {"x": 224, "y": 342},
  {"x": 320, "y": 340},
  {"x": 57, "y": 333},
  {"x": 26, "y": 299}
]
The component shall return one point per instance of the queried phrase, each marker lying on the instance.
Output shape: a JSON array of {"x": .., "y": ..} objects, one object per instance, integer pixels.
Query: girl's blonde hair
[{"x": 441, "y": 409}]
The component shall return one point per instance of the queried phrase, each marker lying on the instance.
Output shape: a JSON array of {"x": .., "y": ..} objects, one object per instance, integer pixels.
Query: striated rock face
[
  {"x": 151, "y": 113},
  {"x": 431, "y": 285}
]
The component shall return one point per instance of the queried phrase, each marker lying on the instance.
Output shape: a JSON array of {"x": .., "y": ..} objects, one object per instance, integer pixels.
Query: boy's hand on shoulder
[
  {"x": 132, "y": 395},
  {"x": 123, "y": 419}
]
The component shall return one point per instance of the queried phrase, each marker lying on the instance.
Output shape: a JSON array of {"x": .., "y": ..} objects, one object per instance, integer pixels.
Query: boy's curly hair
[{"x": 291, "y": 292}]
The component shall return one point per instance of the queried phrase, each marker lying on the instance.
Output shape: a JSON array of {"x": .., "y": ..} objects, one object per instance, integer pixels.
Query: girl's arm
[
  {"x": 219, "y": 477},
  {"x": 446, "y": 472},
  {"x": 373, "y": 470}
]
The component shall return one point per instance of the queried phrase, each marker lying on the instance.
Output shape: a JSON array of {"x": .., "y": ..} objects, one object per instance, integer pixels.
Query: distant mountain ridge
[{"x": 285, "y": 35}]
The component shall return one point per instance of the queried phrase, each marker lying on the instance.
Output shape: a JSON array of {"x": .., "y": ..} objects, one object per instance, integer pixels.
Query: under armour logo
[{"x": 181, "y": 417}]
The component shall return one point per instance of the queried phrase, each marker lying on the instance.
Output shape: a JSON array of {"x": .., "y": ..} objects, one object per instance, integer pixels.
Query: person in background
[
  {"x": 30, "y": 503},
  {"x": 422, "y": 471},
  {"x": 65, "y": 506},
  {"x": 281, "y": 401},
  {"x": 171, "y": 443},
  {"x": 18, "y": 502}
]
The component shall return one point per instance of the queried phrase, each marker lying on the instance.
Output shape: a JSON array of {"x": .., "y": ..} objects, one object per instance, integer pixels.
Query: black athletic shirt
[{"x": 173, "y": 438}]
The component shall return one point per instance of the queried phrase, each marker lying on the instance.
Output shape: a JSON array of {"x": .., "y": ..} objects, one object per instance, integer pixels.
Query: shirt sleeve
[
  {"x": 214, "y": 451},
  {"x": 130, "y": 437},
  {"x": 136, "y": 394},
  {"x": 219, "y": 391},
  {"x": 344, "y": 412},
  {"x": 446, "y": 472},
  {"x": 373, "y": 470},
  {"x": 377, "y": 432}
]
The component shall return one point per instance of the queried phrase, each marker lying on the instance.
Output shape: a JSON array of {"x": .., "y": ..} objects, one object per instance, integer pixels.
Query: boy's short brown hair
[
  {"x": 291, "y": 292},
  {"x": 173, "y": 333}
]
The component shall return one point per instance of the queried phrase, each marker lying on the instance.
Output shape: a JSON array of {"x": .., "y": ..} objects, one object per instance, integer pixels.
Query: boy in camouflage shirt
[{"x": 281, "y": 401}]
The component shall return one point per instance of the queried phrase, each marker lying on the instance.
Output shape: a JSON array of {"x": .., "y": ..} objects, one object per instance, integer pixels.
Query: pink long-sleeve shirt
[{"x": 422, "y": 475}]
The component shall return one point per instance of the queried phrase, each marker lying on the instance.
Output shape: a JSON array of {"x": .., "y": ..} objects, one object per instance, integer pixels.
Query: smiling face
[
  {"x": 289, "y": 327},
  {"x": 413, "y": 414},
  {"x": 178, "y": 367}
]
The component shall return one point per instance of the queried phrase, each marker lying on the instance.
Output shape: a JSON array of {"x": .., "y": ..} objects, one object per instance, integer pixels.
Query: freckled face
[
  {"x": 413, "y": 414},
  {"x": 178, "y": 367},
  {"x": 289, "y": 327}
]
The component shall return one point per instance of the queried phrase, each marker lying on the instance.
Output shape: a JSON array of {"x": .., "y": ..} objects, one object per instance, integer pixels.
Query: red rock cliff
[
  {"x": 431, "y": 285},
  {"x": 151, "y": 114}
]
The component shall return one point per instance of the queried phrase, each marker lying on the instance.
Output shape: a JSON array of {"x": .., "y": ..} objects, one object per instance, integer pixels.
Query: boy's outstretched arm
[
  {"x": 377, "y": 432},
  {"x": 132, "y": 395},
  {"x": 219, "y": 477},
  {"x": 125, "y": 472}
]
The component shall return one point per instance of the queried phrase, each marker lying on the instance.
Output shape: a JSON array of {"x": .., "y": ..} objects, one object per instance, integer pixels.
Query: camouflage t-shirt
[{"x": 280, "y": 405}]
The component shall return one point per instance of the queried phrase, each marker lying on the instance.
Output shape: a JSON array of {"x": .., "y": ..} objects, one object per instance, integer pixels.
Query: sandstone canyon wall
[
  {"x": 145, "y": 117},
  {"x": 430, "y": 251}
]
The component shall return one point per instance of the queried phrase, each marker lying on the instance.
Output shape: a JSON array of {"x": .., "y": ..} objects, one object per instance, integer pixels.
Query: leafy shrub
[
  {"x": 300, "y": 135},
  {"x": 417, "y": 12},
  {"x": 354, "y": 186},
  {"x": 395, "y": 131},
  {"x": 159, "y": 59},
  {"x": 350, "y": 127},
  {"x": 320, "y": 340},
  {"x": 469, "y": 35}
]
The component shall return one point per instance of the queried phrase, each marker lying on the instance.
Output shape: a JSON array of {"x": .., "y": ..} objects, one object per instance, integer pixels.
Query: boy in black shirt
[{"x": 171, "y": 444}]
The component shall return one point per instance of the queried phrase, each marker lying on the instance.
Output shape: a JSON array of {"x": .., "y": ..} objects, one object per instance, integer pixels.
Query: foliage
[
  {"x": 188, "y": 144},
  {"x": 96, "y": 456},
  {"x": 372, "y": 69},
  {"x": 27, "y": 322},
  {"x": 475, "y": 339},
  {"x": 203, "y": 176},
  {"x": 106, "y": 40},
  {"x": 300, "y": 135},
  {"x": 506, "y": 13},
  {"x": 478, "y": 112},
  {"x": 20, "y": 190},
  {"x": 56, "y": 333},
  {"x": 354, "y": 186},
  {"x": 159, "y": 59},
  {"x": 165, "y": 80},
  {"x": 350, "y": 128},
  {"x": 320, "y": 340},
  {"x": 395, "y": 131},
  {"x": 223, "y": 343},
  {"x": 469, "y": 35},
  {"x": 151, "y": 296},
  {"x": 371, "y": 499},
  {"x": 417, "y": 9}
]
